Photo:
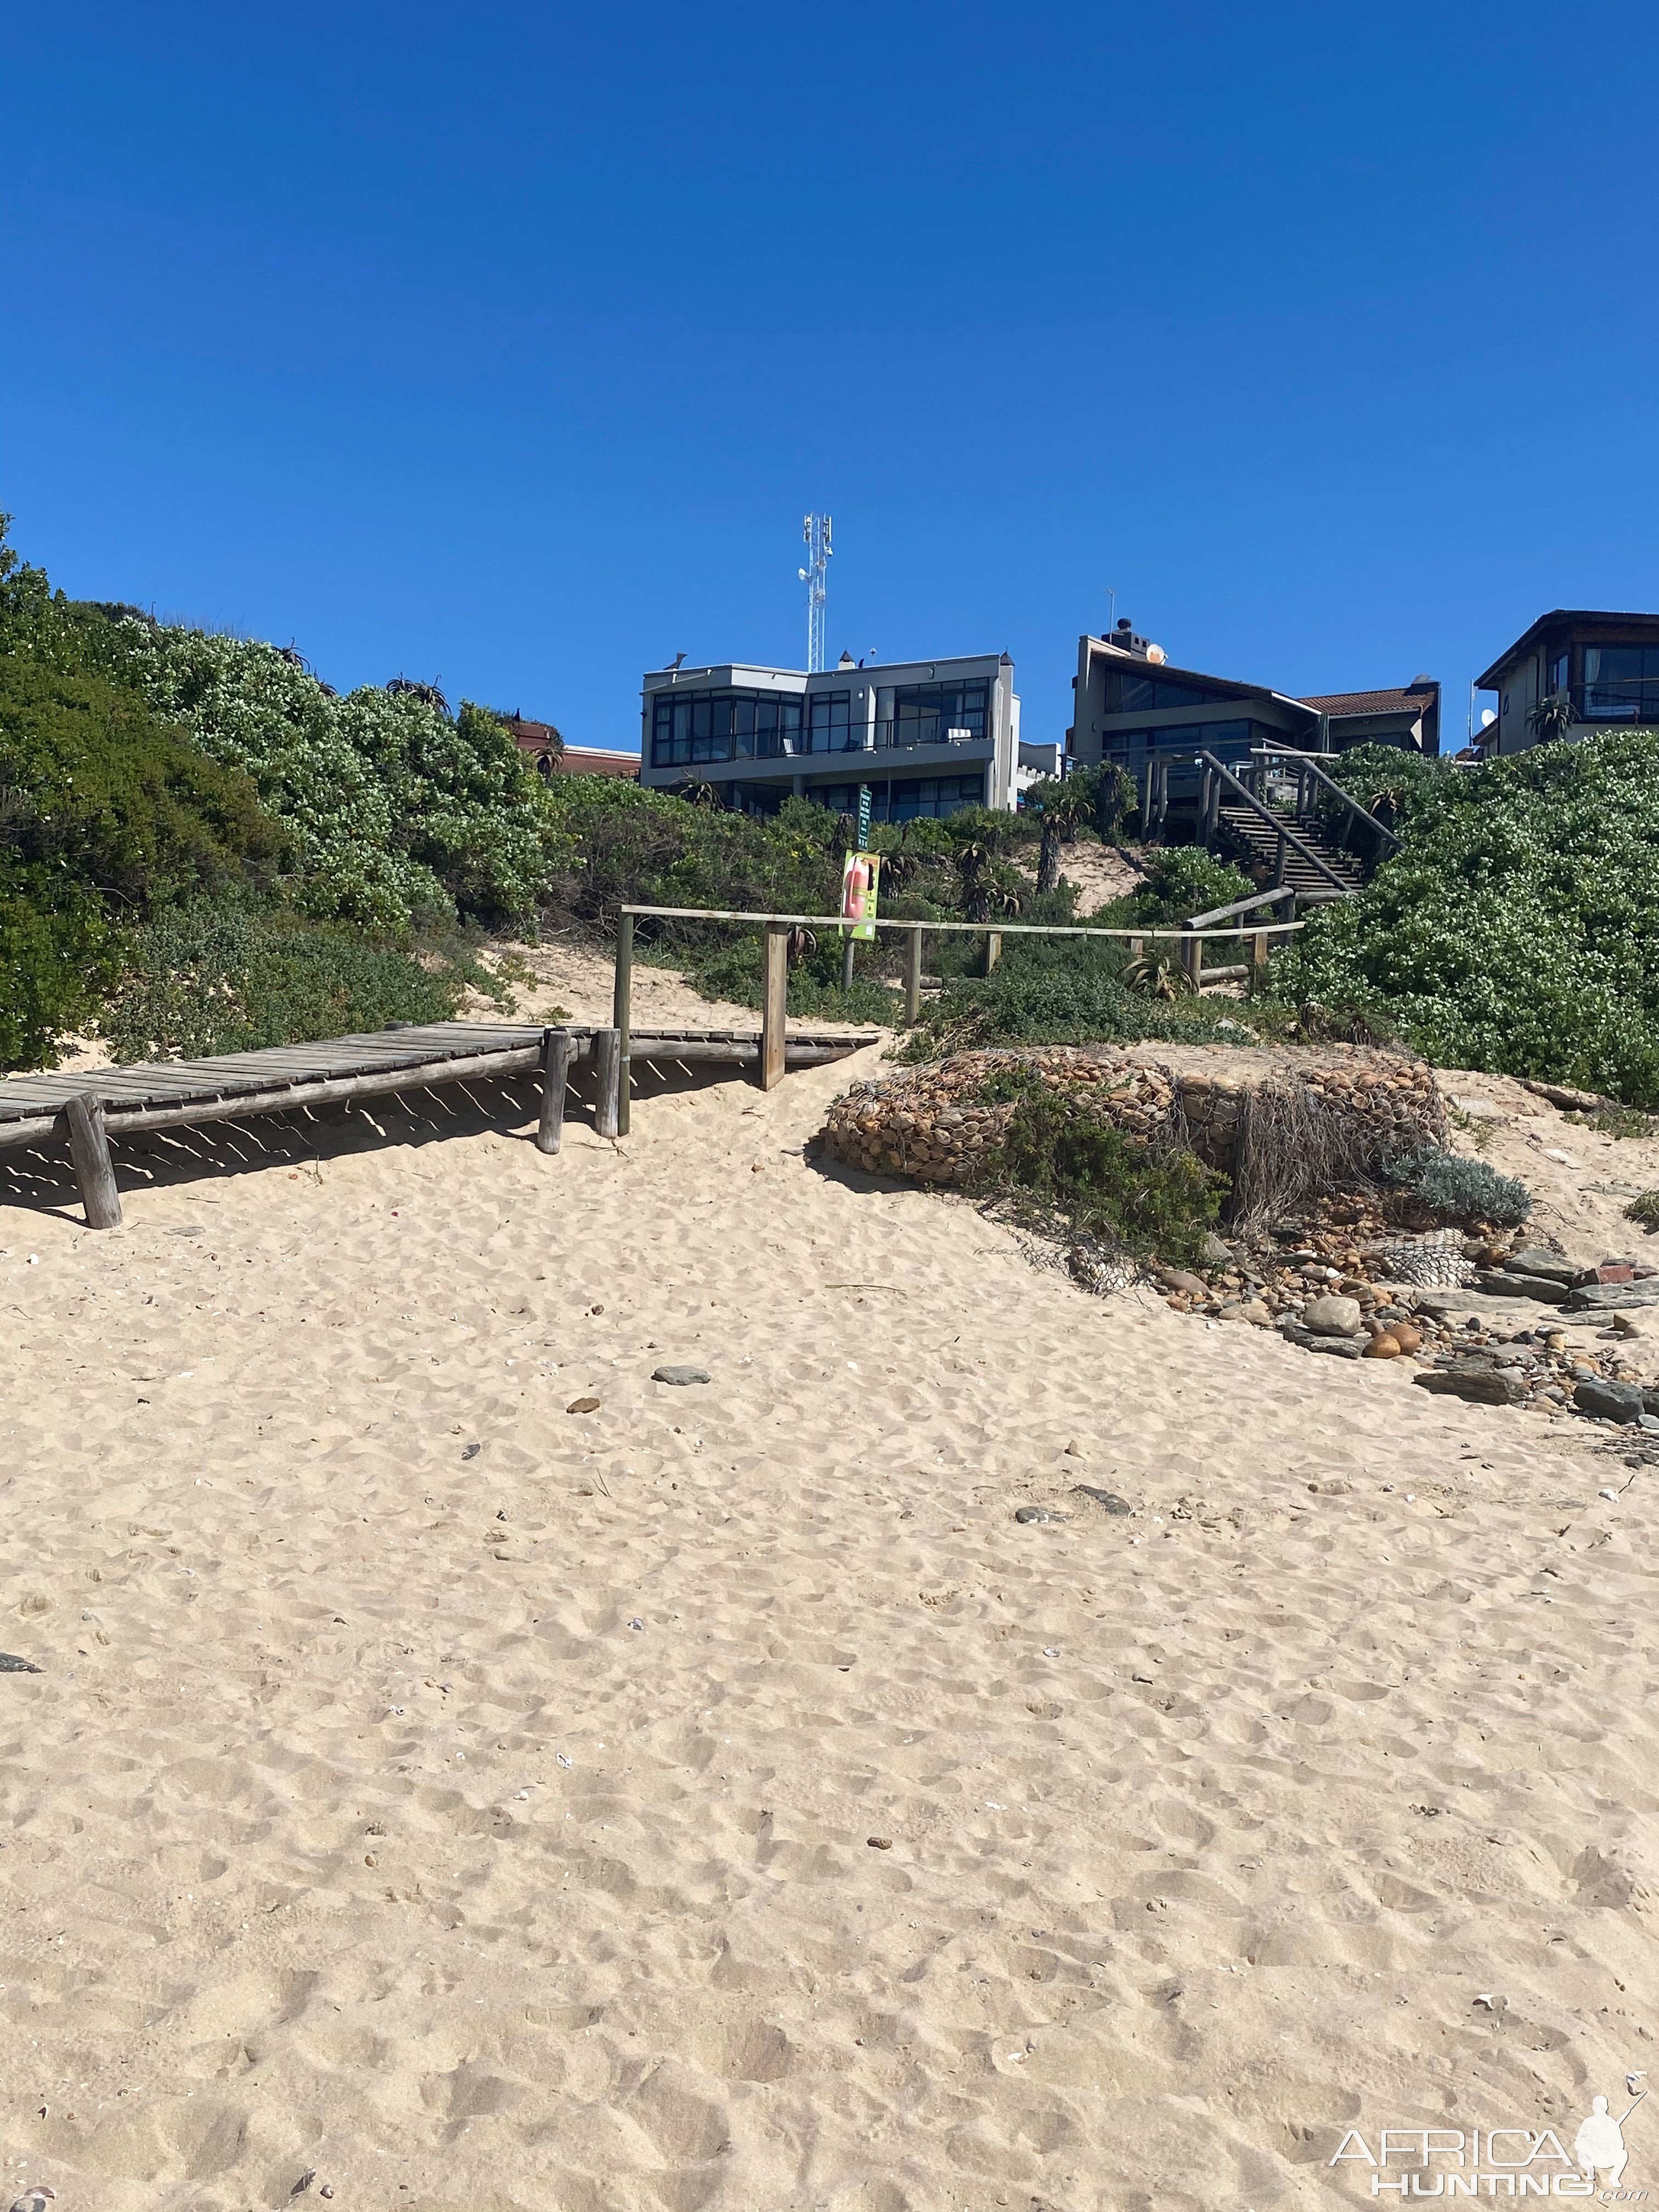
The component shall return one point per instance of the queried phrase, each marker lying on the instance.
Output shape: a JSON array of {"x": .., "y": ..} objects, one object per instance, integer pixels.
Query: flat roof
[{"x": 1645, "y": 626}]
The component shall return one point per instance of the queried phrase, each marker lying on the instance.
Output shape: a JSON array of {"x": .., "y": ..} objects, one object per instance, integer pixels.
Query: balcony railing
[
  {"x": 859, "y": 737},
  {"x": 1634, "y": 699}
]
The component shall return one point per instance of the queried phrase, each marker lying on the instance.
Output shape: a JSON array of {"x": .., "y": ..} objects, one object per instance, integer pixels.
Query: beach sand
[{"x": 470, "y": 1800}]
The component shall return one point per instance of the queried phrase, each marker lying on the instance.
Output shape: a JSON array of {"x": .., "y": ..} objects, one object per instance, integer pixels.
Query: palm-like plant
[
  {"x": 1552, "y": 718},
  {"x": 1060, "y": 807},
  {"x": 1156, "y": 976}
]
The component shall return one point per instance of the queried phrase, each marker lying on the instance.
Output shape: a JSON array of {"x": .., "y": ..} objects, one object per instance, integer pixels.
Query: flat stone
[
  {"x": 1611, "y": 1297},
  {"x": 1108, "y": 1500},
  {"x": 1609, "y": 1401},
  {"x": 11, "y": 1664},
  {"x": 1340, "y": 1347},
  {"x": 1030, "y": 1513},
  {"x": 1507, "y": 1282},
  {"x": 1552, "y": 1265},
  {"x": 680, "y": 1375},
  {"x": 1482, "y": 1386},
  {"x": 1178, "y": 1279}
]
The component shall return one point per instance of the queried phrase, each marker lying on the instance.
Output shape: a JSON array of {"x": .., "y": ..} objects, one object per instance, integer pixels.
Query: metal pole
[{"x": 913, "y": 979}]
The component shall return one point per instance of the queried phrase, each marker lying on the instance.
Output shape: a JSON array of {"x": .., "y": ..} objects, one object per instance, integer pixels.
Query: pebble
[
  {"x": 36, "y": 2199},
  {"x": 11, "y": 1664},
  {"x": 1332, "y": 1316},
  {"x": 879, "y": 1843},
  {"x": 583, "y": 1405},
  {"x": 1028, "y": 1513},
  {"x": 470, "y": 1451},
  {"x": 680, "y": 1375},
  {"x": 1108, "y": 1499}
]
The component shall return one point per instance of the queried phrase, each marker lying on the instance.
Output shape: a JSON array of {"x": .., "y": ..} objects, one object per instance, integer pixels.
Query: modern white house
[
  {"x": 927, "y": 737},
  {"x": 1605, "y": 665}
]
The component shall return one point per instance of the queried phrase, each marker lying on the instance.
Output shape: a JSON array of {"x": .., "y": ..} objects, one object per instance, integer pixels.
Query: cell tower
[{"x": 816, "y": 532}]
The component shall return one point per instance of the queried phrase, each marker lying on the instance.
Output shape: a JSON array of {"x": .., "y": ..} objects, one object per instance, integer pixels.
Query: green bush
[
  {"x": 1066, "y": 991},
  {"x": 1517, "y": 928},
  {"x": 1184, "y": 880},
  {"x": 106, "y": 816},
  {"x": 731, "y": 971},
  {"x": 393, "y": 811},
  {"x": 96, "y": 787},
  {"x": 206, "y": 979},
  {"x": 57, "y": 956},
  {"x": 1059, "y": 1153},
  {"x": 1459, "y": 1191}
]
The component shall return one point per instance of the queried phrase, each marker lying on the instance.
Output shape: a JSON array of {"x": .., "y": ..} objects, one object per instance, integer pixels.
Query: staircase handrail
[
  {"x": 1280, "y": 895},
  {"x": 1306, "y": 761},
  {"x": 1277, "y": 823}
]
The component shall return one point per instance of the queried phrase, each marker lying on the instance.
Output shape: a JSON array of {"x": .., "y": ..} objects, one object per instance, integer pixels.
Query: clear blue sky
[{"x": 509, "y": 344}]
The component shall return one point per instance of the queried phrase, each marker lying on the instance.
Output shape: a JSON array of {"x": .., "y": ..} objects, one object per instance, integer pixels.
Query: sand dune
[{"x": 470, "y": 1800}]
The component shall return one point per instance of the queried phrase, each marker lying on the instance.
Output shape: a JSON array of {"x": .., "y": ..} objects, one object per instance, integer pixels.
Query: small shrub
[
  {"x": 1460, "y": 1191},
  {"x": 1644, "y": 1209},
  {"x": 209, "y": 979},
  {"x": 1059, "y": 1153},
  {"x": 1184, "y": 880}
]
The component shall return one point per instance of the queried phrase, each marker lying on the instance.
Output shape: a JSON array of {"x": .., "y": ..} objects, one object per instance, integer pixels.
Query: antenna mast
[{"x": 815, "y": 530}]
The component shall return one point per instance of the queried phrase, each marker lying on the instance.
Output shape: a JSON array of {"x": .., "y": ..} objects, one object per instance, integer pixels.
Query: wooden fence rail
[{"x": 775, "y": 968}]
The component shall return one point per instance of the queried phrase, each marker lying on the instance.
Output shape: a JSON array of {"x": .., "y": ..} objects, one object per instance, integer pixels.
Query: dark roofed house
[
  {"x": 1408, "y": 718},
  {"x": 553, "y": 756},
  {"x": 1604, "y": 665}
]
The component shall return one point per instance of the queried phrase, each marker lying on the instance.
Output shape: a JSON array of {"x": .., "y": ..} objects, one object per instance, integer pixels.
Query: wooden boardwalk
[{"x": 95, "y": 1104}]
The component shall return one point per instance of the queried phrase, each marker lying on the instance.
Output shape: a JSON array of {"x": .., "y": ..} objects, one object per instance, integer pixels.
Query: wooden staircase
[
  {"x": 1286, "y": 822},
  {"x": 1319, "y": 871}
]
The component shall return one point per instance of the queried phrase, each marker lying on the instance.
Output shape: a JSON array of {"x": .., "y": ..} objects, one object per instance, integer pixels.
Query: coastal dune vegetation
[{"x": 205, "y": 847}]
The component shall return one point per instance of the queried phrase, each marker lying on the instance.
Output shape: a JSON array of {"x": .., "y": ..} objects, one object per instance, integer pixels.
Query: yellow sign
[{"x": 861, "y": 884}]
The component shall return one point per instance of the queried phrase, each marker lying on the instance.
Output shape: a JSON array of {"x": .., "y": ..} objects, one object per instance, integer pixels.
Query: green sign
[{"x": 864, "y": 814}]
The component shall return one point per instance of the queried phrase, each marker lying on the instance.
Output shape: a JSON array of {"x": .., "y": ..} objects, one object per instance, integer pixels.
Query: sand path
[{"x": 490, "y": 1826}]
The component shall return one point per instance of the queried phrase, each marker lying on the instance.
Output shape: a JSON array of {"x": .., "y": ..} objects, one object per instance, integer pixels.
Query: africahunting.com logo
[{"x": 1505, "y": 2161}]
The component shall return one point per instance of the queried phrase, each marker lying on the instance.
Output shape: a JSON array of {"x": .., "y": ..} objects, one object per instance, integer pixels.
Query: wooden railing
[{"x": 774, "y": 963}]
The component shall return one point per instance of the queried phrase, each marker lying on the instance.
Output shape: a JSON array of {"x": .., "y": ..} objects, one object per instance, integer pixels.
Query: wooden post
[
  {"x": 847, "y": 962},
  {"x": 993, "y": 949},
  {"x": 556, "y": 1077},
  {"x": 1258, "y": 956},
  {"x": 775, "y": 1003},
  {"x": 1192, "y": 958},
  {"x": 622, "y": 1014},
  {"x": 607, "y": 1068},
  {"x": 912, "y": 978},
  {"x": 1137, "y": 948},
  {"x": 93, "y": 1170}
]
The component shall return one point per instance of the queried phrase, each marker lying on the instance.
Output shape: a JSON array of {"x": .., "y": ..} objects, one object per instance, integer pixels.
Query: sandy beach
[{"x": 713, "y": 1798}]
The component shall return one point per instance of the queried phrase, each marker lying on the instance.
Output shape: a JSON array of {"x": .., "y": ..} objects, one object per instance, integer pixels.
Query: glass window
[
  {"x": 907, "y": 798},
  {"x": 832, "y": 713},
  {"x": 690, "y": 727},
  {"x": 1621, "y": 684},
  {"x": 932, "y": 714},
  {"x": 1145, "y": 692},
  {"x": 1557, "y": 678}
]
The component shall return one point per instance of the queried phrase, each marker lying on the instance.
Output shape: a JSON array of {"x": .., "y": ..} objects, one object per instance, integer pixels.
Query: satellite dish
[
  {"x": 1156, "y": 653},
  {"x": 1487, "y": 718}
]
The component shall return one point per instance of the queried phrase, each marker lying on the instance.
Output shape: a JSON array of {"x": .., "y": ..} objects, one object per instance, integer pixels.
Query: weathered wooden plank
[
  {"x": 607, "y": 1062},
  {"x": 775, "y": 1004},
  {"x": 556, "y": 1077},
  {"x": 621, "y": 1009},
  {"x": 93, "y": 1170}
]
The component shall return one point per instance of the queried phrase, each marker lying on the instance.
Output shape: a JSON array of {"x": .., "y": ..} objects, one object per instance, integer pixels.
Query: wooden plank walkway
[{"x": 95, "y": 1104}]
